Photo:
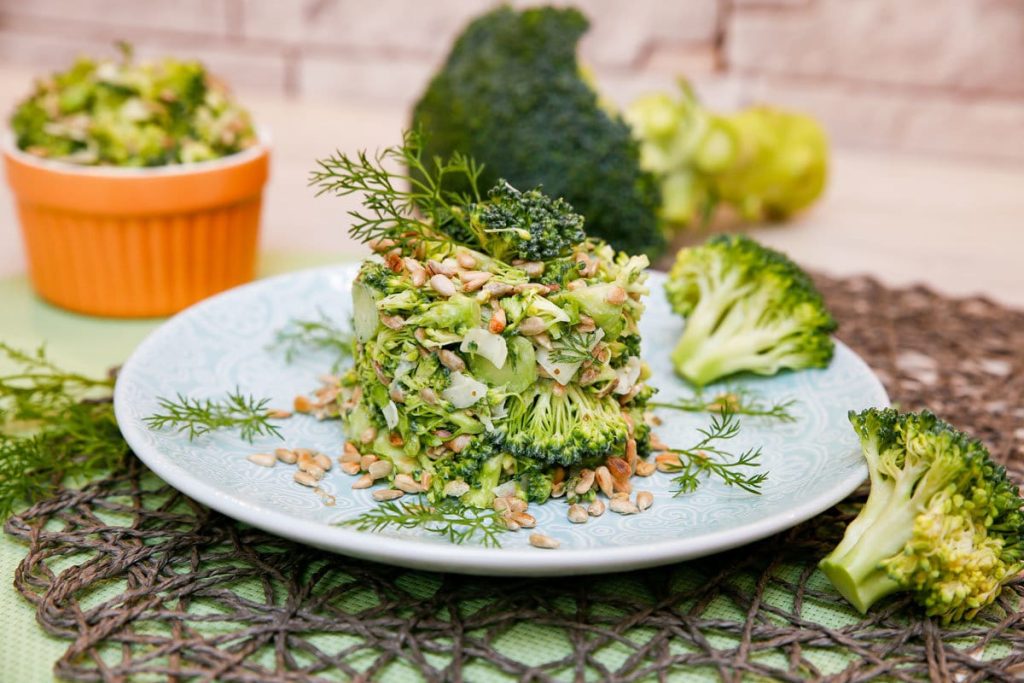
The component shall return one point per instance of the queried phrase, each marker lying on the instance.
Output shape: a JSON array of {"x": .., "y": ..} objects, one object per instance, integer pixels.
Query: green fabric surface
[{"x": 85, "y": 344}]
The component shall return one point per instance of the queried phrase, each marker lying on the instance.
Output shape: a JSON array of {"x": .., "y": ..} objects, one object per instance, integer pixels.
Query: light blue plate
[{"x": 222, "y": 343}]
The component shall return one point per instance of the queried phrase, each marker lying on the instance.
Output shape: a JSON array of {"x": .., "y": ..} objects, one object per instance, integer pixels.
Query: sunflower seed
[
  {"x": 645, "y": 468},
  {"x": 465, "y": 260},
  {"x": 524, "y": 520},
  {"x": 305, "y": 478},
  {"x": 363, "y": 482},
  {"x": 596, "y": 508},
  {"x": 542, "y": 541},
  {"x": 623, "y": 507},
  {"x": 586, "y": 481},
  {"x": 350, "y": 468},
  {"x": 387, "y": 494},
  {"x": 366, "y": 461},
  {"x": 450, "y": 360},
  {"x": 407, "y": 484},
  {"x": 379, "y": 469},
  {"x": 278, "y": 413},
  {"x": 442, "y": 285},
  {"x": 262, "y": 459},
  {"x": 302, "y": 404},
  {"x": 604, "y": 481},
  {"x": 577, "y": 514},
  {"x": 456, "y": 488},
  {"x": 286, "y": 456},
  {"x": 644, "y": 499},
  {"x": 459, "y": 443},
  {"x": 531, "y": 326},
  {"x": 616, "y": 296}
]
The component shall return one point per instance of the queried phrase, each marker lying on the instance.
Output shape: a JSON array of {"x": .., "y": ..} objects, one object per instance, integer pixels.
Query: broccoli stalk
[
  {"x": 942, "y": 521},
  {"x": 481, "y": 495},
  {"x": 747, "y": 309}
]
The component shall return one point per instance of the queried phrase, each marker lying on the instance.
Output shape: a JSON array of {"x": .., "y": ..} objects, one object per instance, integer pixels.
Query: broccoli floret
[
  {"x": 527, "y": 225},
  {"x": 481, "y": 492},
  {"x": 748, "y": 309},
  {"x": 511, "y": 96},
  {"x": 942, "y": 521},
  {"x": 560, "y": 425}
]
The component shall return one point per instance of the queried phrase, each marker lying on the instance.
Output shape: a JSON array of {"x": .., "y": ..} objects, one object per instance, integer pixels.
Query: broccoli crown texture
[
  {"x": 942, "y": 521},
  {"x": 562, "y": 425},
  {"x": 747, "y": 309},
  {"x": 530, "y": 225},
  {"x": 510, "y": 95}
]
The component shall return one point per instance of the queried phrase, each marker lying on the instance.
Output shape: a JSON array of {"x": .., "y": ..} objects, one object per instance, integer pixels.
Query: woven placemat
[{"x": 148, "y": 585}]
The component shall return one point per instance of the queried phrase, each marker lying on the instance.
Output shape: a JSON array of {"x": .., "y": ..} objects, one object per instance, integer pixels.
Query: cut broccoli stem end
[{"x": 862, "y": 589}]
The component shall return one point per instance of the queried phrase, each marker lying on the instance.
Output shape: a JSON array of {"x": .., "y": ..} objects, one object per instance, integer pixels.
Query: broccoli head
[
  {"x": 562, "y": 425},
  {"x": 942, "y": 521},
  {"x": 747, "y": 309},
  {"x": 511, "y": 96},
  {"x": 527, "y": 225}
]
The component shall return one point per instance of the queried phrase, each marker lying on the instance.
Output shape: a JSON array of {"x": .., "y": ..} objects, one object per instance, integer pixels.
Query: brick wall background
[{"x": 937, "y": 76}]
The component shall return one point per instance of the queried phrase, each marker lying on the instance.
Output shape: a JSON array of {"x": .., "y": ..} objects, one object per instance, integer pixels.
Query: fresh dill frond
[
  {"x": 575, "y": 347},
  {"x": 301, "y": 336},
  {"x": 449, "y": 518},
  {"x": 198, "y": 416},
  {"x": 707, "y": 458},
  {"x": 404, "y": 195},
  {"x": 55, "y": 426},
  {"x": 738, "y": 400}
]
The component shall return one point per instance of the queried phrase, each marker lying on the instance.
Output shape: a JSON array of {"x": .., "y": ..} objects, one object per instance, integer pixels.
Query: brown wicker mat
[{"x": 147, "y": 585}]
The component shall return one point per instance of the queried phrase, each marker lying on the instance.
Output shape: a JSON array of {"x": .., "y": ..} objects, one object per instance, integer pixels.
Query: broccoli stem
[{"x": 856, "y": 569}]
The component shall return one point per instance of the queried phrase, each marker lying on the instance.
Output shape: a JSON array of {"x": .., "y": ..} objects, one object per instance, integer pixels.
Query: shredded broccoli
[
  {"x": 942, "y": 521},
  {"x": 747, "y": 309}
]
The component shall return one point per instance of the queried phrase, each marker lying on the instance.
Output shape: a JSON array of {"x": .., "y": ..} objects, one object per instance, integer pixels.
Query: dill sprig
[
  {"x": 456, "y": 522},
  {"x": 737, "y": 400},
  {"x": 198, "y": 416},
  {"x": 55, "y": 425},
  {"x": 575, "y": 347},
  {"x": 699, "y": 461},
  {"x": 405, "y": 203},
  {"x": 301, "y": 336}
]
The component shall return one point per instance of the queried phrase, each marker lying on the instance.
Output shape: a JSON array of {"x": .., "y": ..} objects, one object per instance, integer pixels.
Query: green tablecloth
[{"x": 88, "y": 345}]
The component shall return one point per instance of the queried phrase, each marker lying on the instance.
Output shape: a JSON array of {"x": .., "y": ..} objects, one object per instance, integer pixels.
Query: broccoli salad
[
  {"x": 131, "y": 113},
  {"x": 497, "y": 348}
]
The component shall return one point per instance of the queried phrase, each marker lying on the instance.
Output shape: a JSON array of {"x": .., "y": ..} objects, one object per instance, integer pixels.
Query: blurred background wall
[{"x": 935, "y": 76}]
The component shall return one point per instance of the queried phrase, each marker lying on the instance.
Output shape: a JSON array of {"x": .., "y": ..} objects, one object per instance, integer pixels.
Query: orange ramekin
[{"x": 138, "y": 242}]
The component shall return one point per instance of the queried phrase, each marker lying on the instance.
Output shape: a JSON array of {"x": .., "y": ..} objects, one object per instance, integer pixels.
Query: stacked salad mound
[
  {"x": 131, "y": 113},
  {"x": 497, "y": 349}
]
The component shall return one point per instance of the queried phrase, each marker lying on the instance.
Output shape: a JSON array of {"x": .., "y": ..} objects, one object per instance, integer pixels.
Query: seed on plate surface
[
  {"x": 586, "y": 481},
  {"x": 380, "y": 469},
  {"x": 442, "y": 285},
  {"x": 577, "y": 514},
  {"x": 623, "y": 507},
  {"x": 302, "y": 404},
  {"x": 542, "y": 541},
  {"x": 619, "y": 469},
  {"x": 645, "y": 468},
  {"x": 322, "y": 461},
  {"x": 305, "y": 478},
  {"x": 363, "y": 482},
  {"x": 387, "y": 494},
  {"x": 644, "y": 499},
  {"x": 262, "y": 459},
  {"x": 315, "y": 471},
  {"x": 278, "y": 413},
  {"x": 620, "y": 496},
  {"x": 367, "y": 460},
  {"x": 350, "y": 467},
  {"x": 558, "y": 489},
  {"x": 286, "y": 456},
  {"x": 350, "y": 451},
  {"x": 596, "y": 508},
  {"x": 656, "y": 443},
  {"x": 524, "y": 520},
  {"x": 306, "y": 459}
]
